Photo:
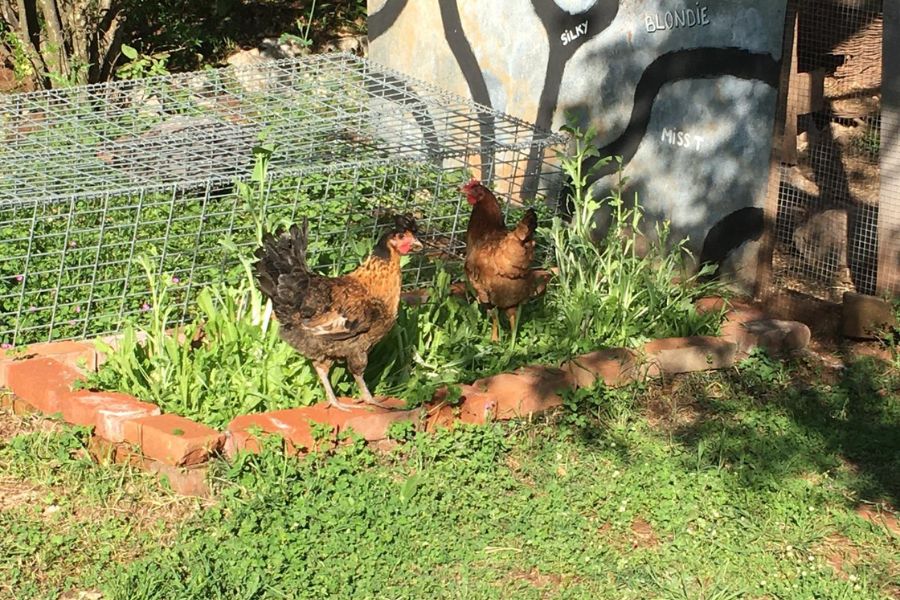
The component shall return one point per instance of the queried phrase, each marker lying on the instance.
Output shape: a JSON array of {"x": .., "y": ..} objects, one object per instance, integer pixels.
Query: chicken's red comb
[{"x": 468, "y": 186}]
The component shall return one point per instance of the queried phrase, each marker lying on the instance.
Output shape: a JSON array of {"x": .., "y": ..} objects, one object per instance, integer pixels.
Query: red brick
[
  {"x": 290, "y": 425},
  {"x": 743, "y": 312},
  {"x": 42, "y": 382},
  {"x": 669, "y": 356},
  {"x": 172, "y": 439},
  {"x": 529, "y": 390},
  {"x": 106, "y": 411},
  {"x": 103, "y": 451},
  {"x": 440, "y": 416},
  {"x": 17, "y": 406},
  {"x": 295, "y": 424},
  {"x": 615, "y": 366},
  {"x": 4, "y": 368},
  {"x": 78, "y": 355},
  {"x": 710, "y": 304},
  {"x": 776, "y": 336},
  {"x": 478, "y": 407},
  {"x": 374, "y": 426},
  {"x": 190, "y": 481}
]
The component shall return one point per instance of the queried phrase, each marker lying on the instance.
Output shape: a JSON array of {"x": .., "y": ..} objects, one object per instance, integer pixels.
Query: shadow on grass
[
  {"x": 767, "y": 421},
  {"x": 774, "y": 423}
]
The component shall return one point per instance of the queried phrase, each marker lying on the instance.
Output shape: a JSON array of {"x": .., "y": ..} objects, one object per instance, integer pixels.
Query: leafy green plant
[
  {"x": 228, "y": 361},
  {"x": 140, "y": 65},
  {"x": 303, "y": 39},
  {"x": 607, "y": 290}
]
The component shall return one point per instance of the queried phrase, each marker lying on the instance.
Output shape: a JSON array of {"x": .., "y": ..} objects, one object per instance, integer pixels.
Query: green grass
[
  {"x": 65, "y": 520},
  {"x": 739, "y": 484}
]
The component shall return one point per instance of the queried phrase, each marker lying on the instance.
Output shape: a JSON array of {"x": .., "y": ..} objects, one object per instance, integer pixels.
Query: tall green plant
[
  {"x": 229, "y": 360},
  {"x": 606, "y": 290}
]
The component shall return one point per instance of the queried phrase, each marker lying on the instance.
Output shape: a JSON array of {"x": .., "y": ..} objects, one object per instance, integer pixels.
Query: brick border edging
[{"x": 126, "y": 429}]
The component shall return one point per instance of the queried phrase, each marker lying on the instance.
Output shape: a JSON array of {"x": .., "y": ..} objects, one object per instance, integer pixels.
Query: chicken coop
[
  {"x": 834, "y": 193},
  {"x": 179, "y": 171}
]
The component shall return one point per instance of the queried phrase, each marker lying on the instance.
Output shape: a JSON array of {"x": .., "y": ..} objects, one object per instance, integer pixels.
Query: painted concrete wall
[{"x": 684, "y": 91}]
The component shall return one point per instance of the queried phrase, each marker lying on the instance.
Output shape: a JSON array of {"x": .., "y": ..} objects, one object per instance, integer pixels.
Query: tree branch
[
  {"x": 55, "y": 33},
  {"x": 6, "y": 11},
  {"x": 30, "y": 38},
  {"x": 109, "y": 32}
]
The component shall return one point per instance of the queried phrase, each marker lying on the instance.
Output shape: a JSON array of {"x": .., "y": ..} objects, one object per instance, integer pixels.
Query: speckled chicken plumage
[{"x": 330, "y": 319}]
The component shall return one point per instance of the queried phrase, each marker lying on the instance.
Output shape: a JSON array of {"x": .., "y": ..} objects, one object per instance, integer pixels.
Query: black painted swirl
[
  {"x": 392, "y": 89},
  {"x": 577, "y": 29},
  {"x": 468, "y": 64},
  {"x": 382, "y": 20},
  {"x": 697, "y": 63}
]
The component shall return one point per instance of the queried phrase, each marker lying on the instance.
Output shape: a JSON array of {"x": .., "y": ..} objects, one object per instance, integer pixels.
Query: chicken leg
[
  {"x": 495, "y": 325},
  {"x": 322, "y": 371},
  {"x": 365, "y": 394},
  {"x": 511, "y": 314}
]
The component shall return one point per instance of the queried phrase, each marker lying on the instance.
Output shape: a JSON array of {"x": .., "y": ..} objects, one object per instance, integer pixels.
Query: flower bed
[{"x": 128, "y": 429}]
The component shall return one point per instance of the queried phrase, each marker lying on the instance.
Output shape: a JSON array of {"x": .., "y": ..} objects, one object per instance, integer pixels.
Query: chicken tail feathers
[
  {"x": 527, "y": 226},
  {"x": 282, "y": 260}
]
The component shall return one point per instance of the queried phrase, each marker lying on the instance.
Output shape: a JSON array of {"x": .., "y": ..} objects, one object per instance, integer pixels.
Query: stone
[
  {"x": 866, "y": 317},
  {"x": 669, "y": 356},
  {"x": 822, "y": 241},
  {"x": 43, "y": 383},
  {"x": 280, "y": 49},
  {"x": 172, "y": 439},
  {"x": 245, "y": 71},
  {"x": 354, "y": 44}
]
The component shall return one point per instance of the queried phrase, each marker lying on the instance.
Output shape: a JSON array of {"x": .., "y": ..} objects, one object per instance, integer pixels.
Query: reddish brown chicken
[
  {"x": 335, "y": 319},
  {"x": 498, "y": 261}
]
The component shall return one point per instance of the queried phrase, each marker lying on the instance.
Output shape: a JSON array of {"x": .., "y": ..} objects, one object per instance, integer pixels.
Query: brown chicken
[
  {"x": 335, "y": 319},
  {"x": 498, "y": 262}
]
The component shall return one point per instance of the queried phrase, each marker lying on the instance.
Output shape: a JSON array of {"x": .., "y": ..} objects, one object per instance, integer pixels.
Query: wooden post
[
  {"x": 779, "y": 140},
  {"x": 889, "y": 201}
]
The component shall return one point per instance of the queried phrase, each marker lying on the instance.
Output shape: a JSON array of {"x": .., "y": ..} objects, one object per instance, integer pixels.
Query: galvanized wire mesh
[
  {"x": 832, "y": 185},
  {"x": 94, "y": 177}
]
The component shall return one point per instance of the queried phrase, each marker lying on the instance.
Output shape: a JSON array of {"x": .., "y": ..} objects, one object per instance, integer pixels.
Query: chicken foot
[
  {"x": 322, "y": 372},
  {"x": 365, "y": 394}
]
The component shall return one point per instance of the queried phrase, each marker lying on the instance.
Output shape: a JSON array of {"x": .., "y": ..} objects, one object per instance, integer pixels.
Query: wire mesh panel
[
  {"x": 166, "y": 169},
  {"x": 831, "y": 186}
]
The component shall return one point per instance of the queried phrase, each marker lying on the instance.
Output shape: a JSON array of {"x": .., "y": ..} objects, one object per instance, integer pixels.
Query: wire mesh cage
[
  {"x": 832, "y": 197},
  {"x": 167, "y": 168}
]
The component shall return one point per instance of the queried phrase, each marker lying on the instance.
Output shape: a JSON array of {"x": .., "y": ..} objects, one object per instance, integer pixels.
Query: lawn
[{"x": 768, "y": 480}]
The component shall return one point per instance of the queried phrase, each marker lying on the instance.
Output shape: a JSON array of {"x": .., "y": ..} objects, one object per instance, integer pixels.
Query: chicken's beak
[{"x": 416, "y": 245}]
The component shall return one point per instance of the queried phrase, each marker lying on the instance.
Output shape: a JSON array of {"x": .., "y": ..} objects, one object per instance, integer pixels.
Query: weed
[
  {"x": 606, "y": 289},
  {"x": 140, "y": 66}
]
